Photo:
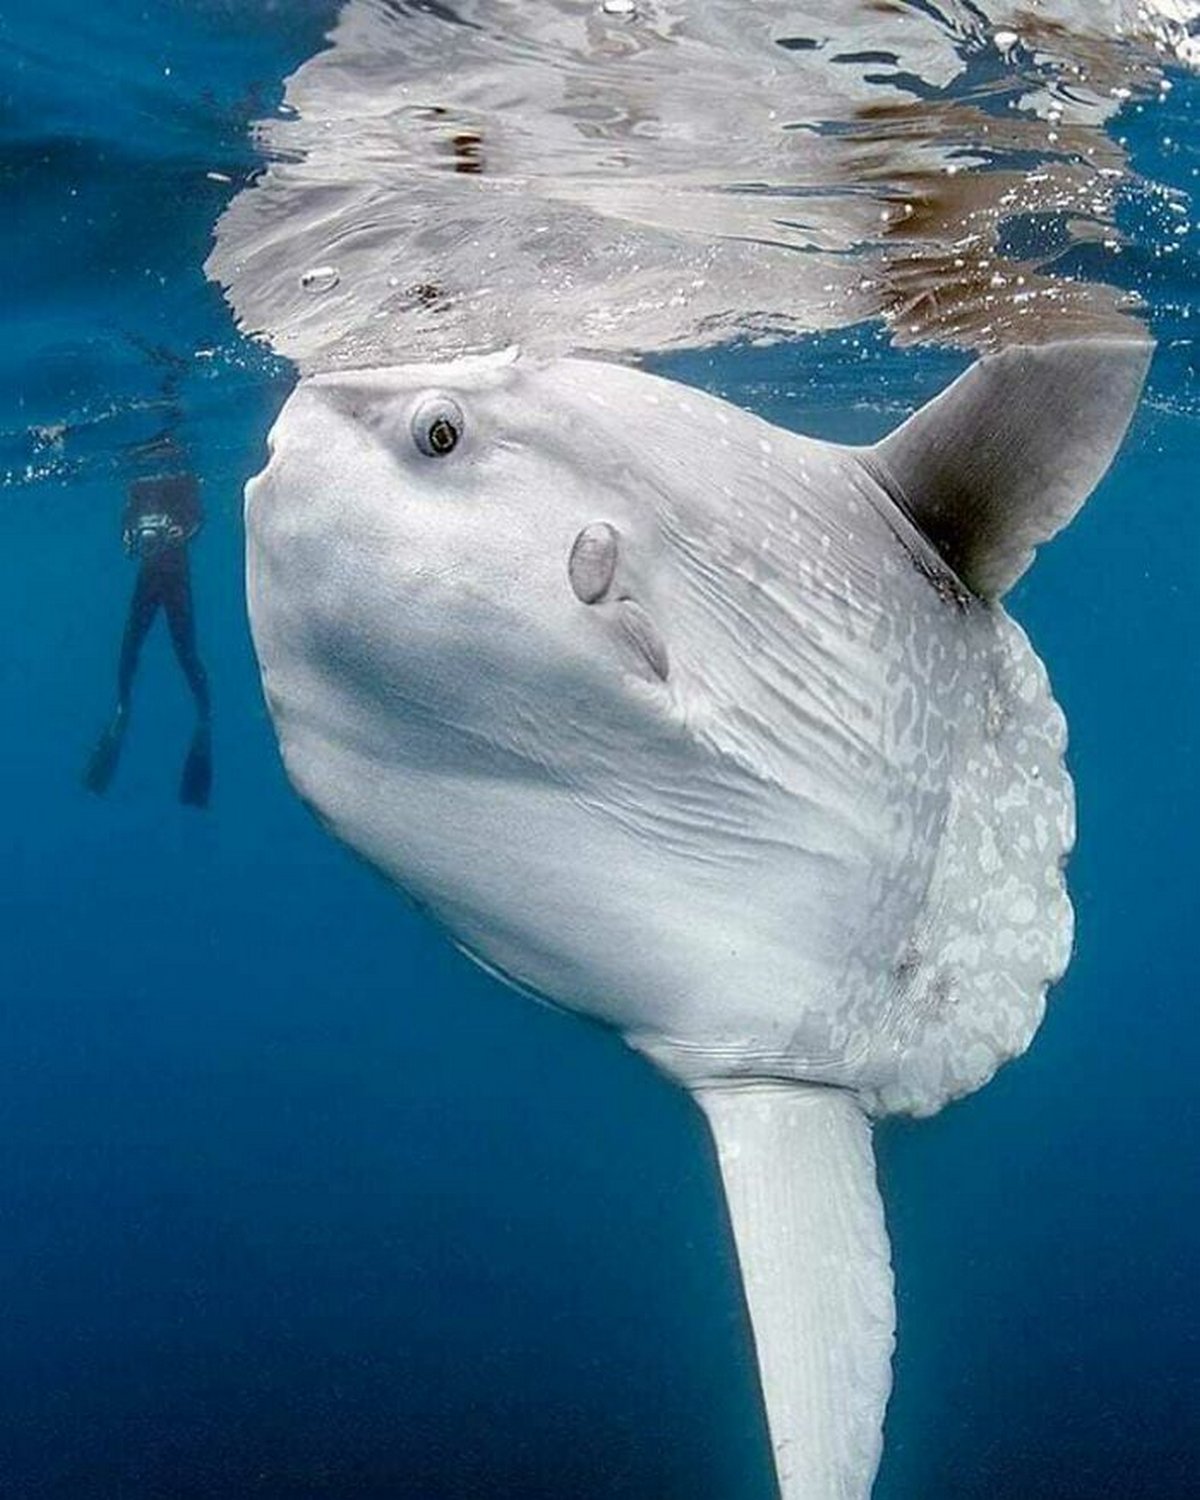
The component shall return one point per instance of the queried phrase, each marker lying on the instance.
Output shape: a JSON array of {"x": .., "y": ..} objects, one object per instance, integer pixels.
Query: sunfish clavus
[{"x": 718, "y": 734}]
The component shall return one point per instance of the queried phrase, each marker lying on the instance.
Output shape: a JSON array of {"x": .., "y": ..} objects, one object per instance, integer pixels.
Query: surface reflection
[{"x": 632, "y": 178}]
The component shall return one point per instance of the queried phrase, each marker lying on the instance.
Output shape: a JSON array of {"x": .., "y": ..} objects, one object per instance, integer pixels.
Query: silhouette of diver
[{"x": 162, "y": 515}]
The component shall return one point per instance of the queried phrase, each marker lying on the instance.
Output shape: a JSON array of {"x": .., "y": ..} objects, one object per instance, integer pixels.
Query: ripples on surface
[
  {"x": 441, "y": 178},
  {"x": 569, "y": 178}
]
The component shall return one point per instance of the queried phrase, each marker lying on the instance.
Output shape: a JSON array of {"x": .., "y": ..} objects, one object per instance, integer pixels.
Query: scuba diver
[{"x": 162, "y": 515}]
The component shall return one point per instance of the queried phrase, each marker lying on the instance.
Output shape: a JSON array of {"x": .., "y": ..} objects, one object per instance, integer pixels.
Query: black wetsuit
[{"x": 161, "y": 517}]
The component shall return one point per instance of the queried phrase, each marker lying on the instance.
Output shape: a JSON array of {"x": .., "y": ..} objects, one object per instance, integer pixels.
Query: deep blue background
[{"x": 293, "y": 1201}]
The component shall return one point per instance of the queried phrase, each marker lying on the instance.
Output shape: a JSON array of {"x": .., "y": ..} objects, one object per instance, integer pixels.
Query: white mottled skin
[
  {"x": 826, "y": 850},
  {"x": 732, "y": 866}
]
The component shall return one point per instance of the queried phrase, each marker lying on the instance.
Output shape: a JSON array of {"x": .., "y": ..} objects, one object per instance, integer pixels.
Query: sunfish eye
[{"x": 437, "y": 425}]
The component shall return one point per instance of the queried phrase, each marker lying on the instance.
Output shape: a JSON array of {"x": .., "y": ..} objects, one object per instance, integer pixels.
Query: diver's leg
[
  {"x": 196, "y": 782},
  {"x": 177, "y": 601},
  {"x": 143, "y": 607},
  {"x": 147, "y": 596}
]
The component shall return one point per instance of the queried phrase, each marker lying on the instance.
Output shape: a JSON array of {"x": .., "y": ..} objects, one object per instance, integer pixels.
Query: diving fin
[
  {"x": 102, "y": 763},
  {"x": 195, "y": 785}
]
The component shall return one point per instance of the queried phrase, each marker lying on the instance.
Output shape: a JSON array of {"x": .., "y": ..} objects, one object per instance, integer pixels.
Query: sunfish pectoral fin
[
  {"x": 1004, "y": 457},
  {"x": 639, "y": 631},
  {"x": 799, "y": 1177}
]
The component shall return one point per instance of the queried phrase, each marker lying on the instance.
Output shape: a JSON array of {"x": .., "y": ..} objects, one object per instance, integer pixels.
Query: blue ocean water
[{"x": 296, "y": 1202}]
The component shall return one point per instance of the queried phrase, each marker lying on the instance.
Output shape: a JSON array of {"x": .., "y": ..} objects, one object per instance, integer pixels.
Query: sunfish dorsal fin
[{"x": 1004, "y": 457}]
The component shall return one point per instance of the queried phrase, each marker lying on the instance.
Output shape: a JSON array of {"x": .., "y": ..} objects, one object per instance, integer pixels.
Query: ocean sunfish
[{"x": 718, "y": 734}]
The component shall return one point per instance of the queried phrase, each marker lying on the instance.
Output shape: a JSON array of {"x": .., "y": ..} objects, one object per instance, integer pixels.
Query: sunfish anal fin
[{"x": 799, "y": 1177}]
